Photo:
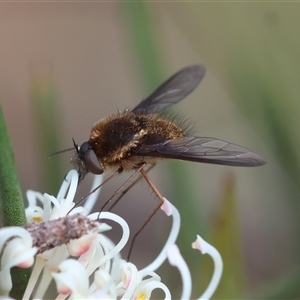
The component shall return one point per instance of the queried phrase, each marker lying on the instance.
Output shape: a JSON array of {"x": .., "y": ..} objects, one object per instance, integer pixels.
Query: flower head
[{"x": 91, "y": 265}]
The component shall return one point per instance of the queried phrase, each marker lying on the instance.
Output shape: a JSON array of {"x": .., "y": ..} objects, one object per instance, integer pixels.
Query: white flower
[
  {"x": 96, "y": 269},
  {"x": 54, "y": 208}
]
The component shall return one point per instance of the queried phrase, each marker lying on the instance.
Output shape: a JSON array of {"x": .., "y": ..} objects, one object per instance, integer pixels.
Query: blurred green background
[{"x": 64, "y": 66}]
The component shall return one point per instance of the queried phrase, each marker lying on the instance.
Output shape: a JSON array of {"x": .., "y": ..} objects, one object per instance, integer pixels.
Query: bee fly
[{"x": 135, "y": 139}]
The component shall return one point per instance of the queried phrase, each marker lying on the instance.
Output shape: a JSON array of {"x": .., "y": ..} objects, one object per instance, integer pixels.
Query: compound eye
[{"x": 90, "y": 159}]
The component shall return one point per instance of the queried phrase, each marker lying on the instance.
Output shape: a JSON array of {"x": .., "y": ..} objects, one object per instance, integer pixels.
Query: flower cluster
[{"x": 91, "y": 267}]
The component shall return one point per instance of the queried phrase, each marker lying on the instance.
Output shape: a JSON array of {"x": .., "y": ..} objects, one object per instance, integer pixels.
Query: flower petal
[
  {"x": 169, "y": 207},
  {"x": 17, "y": 250},
  {"x": 72, "y": 278},
  {"x": 206, "y": 248},
  {"x": 175, "y": 259}
]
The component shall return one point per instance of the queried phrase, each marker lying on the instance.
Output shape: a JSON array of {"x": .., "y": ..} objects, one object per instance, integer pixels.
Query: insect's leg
[
  {"x": 161, "y": 201},
  {"x": 96, "y": 188},
  {"x": 129, "y": 187},
  {"x": 123, "y": 185}
]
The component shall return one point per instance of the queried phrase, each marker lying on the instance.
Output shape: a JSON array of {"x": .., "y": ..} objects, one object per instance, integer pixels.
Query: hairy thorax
[{"x": 117, "y": 138}]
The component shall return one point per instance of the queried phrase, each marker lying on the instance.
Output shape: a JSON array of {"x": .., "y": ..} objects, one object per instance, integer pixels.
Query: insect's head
[{"x": 86, "y": 160}]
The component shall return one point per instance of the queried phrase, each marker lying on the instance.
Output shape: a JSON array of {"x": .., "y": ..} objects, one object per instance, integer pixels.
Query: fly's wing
[
  {"x": 173, "y": 90},
  {"x": 201, "y": 149}
]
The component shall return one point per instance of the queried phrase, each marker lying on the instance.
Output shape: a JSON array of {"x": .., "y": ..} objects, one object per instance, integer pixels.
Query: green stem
[{"x": 11, "y": 202}]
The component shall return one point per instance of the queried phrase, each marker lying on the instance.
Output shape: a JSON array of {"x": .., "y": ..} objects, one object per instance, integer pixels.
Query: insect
[{"x": 136, "y": 139}]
